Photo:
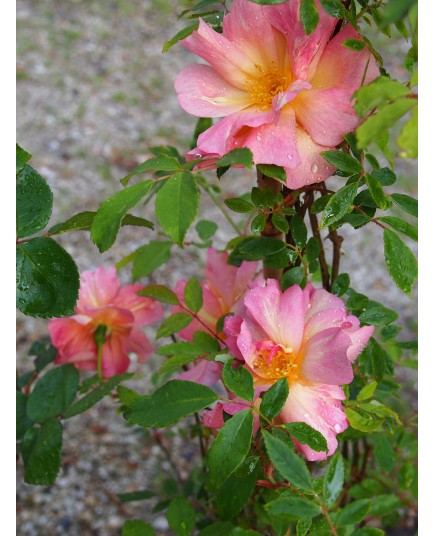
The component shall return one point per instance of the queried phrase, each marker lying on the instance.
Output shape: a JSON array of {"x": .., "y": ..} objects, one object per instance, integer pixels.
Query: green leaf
[
  {"x": 181, "y": 516},
  {"x": 355, "y": 512},
  {"x": 401, "y": 225},
  {"x": 306, "y": 435},
  {"x": 341, "y": 284},
  {"x": 338, "y": 205},
  {"x": 237, "y": 157},
  {"x": 377, "y": 192},
  {"x": 170, "y": 403},
  {"x": 94, "y": 396},
  {"x": 290, "y": 465},
  {"x": 230, "y": 447},
  {"x": 34, "y": 202},
  {"x": 108, "y": 218},
  {"x": 22, "y": 157},
  {"x": 131, "y": 496},
  {"x": 53, "y": 393},
  {"x": 368, "y": 531},
  {"x": 378, "y": 315},
  {"x": 233, "y": 495},
  {"x": 239, "y": 381},
  {"x": 173, "y": 324},
  {"x": 309, "y": 15},
  {"x": 275, "y": 172},
  {"x": 293, "y": 276},
  {"x": 319, "y": 204},
  {"x": 407, "y": 140},
  {"x": 378, "y": 92},
  {"x": 255, "y": 249},
  {"x": 150, "y": 257},
  {"x": 137, "y": 527},
  {"x": 83, "y": 222},
  {"x": 42, "y": 453},
  {"x": 354, "y": 44},
  {"x": 385, "y": 118},
  {"x": 335, "y": 9},
  {"x": 274, "y": 398},
  {"x": 206, "y": 229},
  {"x": 193, "y": 295},
  {"x": 22, "y": 420},
  {"x": 313, "y": 249},
  {"x": 182, "y": 34},
  {"x": 342, "y": 161},
  {"x": 333, "y": 479},
  {"x": 159, "y": 293},
  {"x": 258, "y": 223},
  {"x": 384, "y": 505},
  {"x": 367, "y": 391},
  {"x": 384, "y": 452},
  {"x": 298, "y": 231},
  {"x": 44, "y": 351},
  {"x": 385, "y": 176},
  {"x": 378, "y": 361},
  {"x": 221, "y": 528},
  {"x": 182, "y": 348},
  {"x": 293, "y": 508},
  {"x": 238, "y": 204},
  {"x": 407, "y": 203},
  {"x": 303, "y": 527},
  {"x": 362, "y": 420},
  {"x": 394, "y": 11},
  {"x": 400, "y": 262},
  {"x": 161, "y": 162},
  {"x": 280, "y": 222},
  {"x": 357, "y": 301},
  {"x": 176, "y": 205},
  {"x": 175, "y": 362},
  {"x": 47, "y": 279}
]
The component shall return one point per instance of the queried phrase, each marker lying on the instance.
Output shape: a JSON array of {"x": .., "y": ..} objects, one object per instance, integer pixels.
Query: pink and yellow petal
[
  {"x": 97, "y": 288},
  {"x": 205, "y": 372}
]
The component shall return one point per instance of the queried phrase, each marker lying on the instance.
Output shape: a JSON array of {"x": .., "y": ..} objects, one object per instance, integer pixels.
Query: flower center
[
  {"x": 277, "y": 362},
  {"x": 266, "y": 86}
]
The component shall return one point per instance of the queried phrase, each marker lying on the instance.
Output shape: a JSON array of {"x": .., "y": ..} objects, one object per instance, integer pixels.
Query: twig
[
  {"x": 321, "y": 257},
  {"x": 337, "y": 242}
]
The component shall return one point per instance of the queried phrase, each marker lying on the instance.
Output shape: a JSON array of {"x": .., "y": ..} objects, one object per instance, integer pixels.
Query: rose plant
[{"x": 282, "y": 373}]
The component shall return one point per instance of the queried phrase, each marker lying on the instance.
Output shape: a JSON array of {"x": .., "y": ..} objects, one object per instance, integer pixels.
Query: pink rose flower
[
  {"x": 223, "y": 289},
  {"x": 307, "y": 337},
  {"x": 283, "y": 94},
  {"x": 103, "y": 302}
]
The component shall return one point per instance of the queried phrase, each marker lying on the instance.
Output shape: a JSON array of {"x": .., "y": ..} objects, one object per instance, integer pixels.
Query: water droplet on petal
[
  {"x": 197, "y": 155},
  {"x": 314, "y": 168},
  {"x": 290, "y": 157},
  {"x": 337, "y": 428}
]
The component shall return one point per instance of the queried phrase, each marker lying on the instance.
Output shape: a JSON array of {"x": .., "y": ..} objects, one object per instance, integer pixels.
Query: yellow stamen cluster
[
  {"x": 283, "y": 364},
  {"x": 266, "y": 86}
]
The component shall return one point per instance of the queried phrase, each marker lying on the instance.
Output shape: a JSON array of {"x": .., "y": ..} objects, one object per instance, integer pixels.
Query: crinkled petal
[
  {"x": 145, "y": 310},
  {"x": 97, "y": 288},
  {"x": 213, "y": 418},
  {"x": 204, "y": 93},
  {"x": 138, "y": 343},
  {"x": 263, "y": 305},
  {"x": 325, "y": 358},
  {"x": 281, "y": 99},
  {"x": 291, "y": 318},
  {"x": 359, "y": 336},
  {"x": 313, "y": 167},
  {"x": 116, "y": 318},
  {"x": 205, "y": 372},
  {"x": 73, "y": 341},
  {"x": 341, "y": 67},
  {"x": 115, "y": 359},
  {"x": 232, "y": 328},
  {"x": 318, "y": 406}
]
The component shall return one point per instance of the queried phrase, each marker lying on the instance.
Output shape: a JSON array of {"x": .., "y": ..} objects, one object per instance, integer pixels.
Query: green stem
[{"x": 222, "y": 209}]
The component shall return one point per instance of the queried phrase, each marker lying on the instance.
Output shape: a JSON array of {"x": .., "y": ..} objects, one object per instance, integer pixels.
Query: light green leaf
[
  {"x": 354, "y": 44},
  {"x": 83, "y": 222},
  {"x": 206, "y": 229},
  {"x": 400, "y": 262},
  {"x": 237, "y": 204},
  {"x": 193, "y": 295},
  {"x": 161, "y": 162},
  {"x": 159, "y": 293},
  {"x": 378, "y": 92},
  {"x": 342, "y": 161},
  {"x": 293, "y": 508},
  {"x": 137, "y": 527},
  {"x": 333, "y": 479},
  {"x": 367, "y": 391},
  {"x": 237, "y": 157},
  {"x": 173, "y": 324},
  {"x": 377, "y": 192},
  {"x": 407, "y": 140},
  {"x": 150, "y": 257},
  {"x": 401, "y": 225}
]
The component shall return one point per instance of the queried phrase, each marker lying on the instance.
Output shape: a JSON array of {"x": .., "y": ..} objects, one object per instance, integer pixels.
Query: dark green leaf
[
  {"x": 255, "y": 249},
  {"x": 206, "y": 229},
  {"x": 230, "y": 447},
  {"x": 182, "y": 34},
  {"x": 406, "y": 202},
  {"x": 23, "y": 423},
  {"x": 333, "y": 8},
  {"x": 176, "y": 205},
  {"x": 170, "y": 403},
  {"x": 274, "y": 398},
  {"x": 306, "y": 435},
  {"x": 175, "y": 362},
  {"x": 401, "y": 225},
  {"x": 384, "y": 453},
  {"x": 203, "y": 123},
  {"x": 108, "y": 218},
  {"x": 239, "y": 381},
  {"x": 298, "y": 231},
  {"x": 159, "y": 293},
  {"x": 161, "y": 162},
  {"x": 150, "y": 257},
  {"x": 47, "y": 279},
  {"x": 94, "y": 396},
  {"x": 22, "y": 157},
  {"x": 293, "y": 508},
  {"x": 290, "y": 465},
  {"x": 341, "y": 284},
  {"x": 357, "y": 302},
  {"x": 137, "y": 527},
  {"x": 339, "y": 204},
  {"x": 44, "y": 351},
  {"x": 141, "y": 495},
  {"x": 313, "y": 249},
  {"x": 42, "y": 453},
  {"x": 237, "y": 157},
  {"x": 193, "y": 295},
  {"x": 400, "y": 262},
  {"x": 280, "y": 222},
  {"x": 83, "y": 222},
  {"x": 181, "y": 516},
  {"x": 377, "y": 192},
  {"x": 396, "y": 10},
  {"x": 221, "y": 528},
  {"x": 275, "y": 172},
  {"x": 384, "y": 505},
  {"x": 319, "y": 204},
  {"x": 173, "y": 324},
  {"x": 238, "y": 204},
  {"x": 355, "y": 512},
  {"x": 258, "y": 223},
  {"x": 333, "y": 479},
  {"x": 293, "y": 276},
  {"x": 378, "y": 360},
  {"x": 368, "y": 531},
  {"x": 234, "y": 494},
  {"x": 303, "y": 527},
  {"x": 342, "y": 161},
  {"x": 34, "y": 202},
  {"x": 354, "y": 44},
  {"x": 378, "y": 315},
  {"x": 309, "y": 15}
]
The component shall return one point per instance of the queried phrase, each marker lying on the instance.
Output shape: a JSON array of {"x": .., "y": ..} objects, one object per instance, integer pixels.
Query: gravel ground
[{"x": 94, "y": 92}]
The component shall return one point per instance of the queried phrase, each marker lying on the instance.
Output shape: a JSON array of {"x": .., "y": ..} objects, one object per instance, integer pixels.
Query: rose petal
[{"x": 97, "y": 288}]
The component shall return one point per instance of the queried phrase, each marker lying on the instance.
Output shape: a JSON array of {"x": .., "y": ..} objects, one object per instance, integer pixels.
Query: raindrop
[
  {"x": 290, "y": 157},
  {"x": 197, "y": 155},
  {"x": 337, "y": 428},
  {"x": 259, "y": 137},
  {"x": 306, "y": 415},
  {"x": 314, "y": 168}
]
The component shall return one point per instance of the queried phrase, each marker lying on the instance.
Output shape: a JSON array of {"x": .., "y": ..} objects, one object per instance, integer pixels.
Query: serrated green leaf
[
  {"x": 237, "y": 157},
  {"x": 280, "y": 222},
  {"x": 367, "y": 391},
  {"x": 378, "y": 92},
  {"x": 161, "y": 162},
  {"x": 293, "y": 276},
  {"x": 400, "y": 262},
  {"x": 159, "y": 293},
  {"x": 83, "y": 222},
  {"x": 47, "y": 279},
  {"x": 238, "y": 204},
  {"x": 293, "y": 508},
  {"x": 230, "y": 447},
  {"x": 137, "y": 527},
  {"x": 407, "y": 203},
  {"x": 357, "y": 301},
  {"x": 170, "y": 403},
  {"x": 298, "y": 231},
  {"x": 258, "y": 223},
  {"x": 173, "y": 324},
  {"x": 193, "y": 297},
  {"x": 338, "y": 205},
  {"x": 182, "y": 34},
  {"x": 354, "y": 44},
  {"x": 378, "y": 315},
  {"x": 333, "y": 479},
  {"x": 401, "y": 225},
  {"x": 342, "y": 161},
  {"x": 306, "y": 435},
  {"x": 233, "y": 495},
  {"x": 275, "y": 172},
  {"x": 181, "y": 516},
  {"x": 362, "y": 420},
  {"x": 355, "y": 512},
  {"x": 239, "y": 381},
  {"x": 290, "y": 465},
  {"x": 42, "y": 453},
  {"x": 274, "y": 398},
  {"x": 34, "y": 202},
  {"x": 53, "y": 393},
  {"x": 150, "y": 257},
  {"x": 176, "y": 205},
  {"x": 333, "y": 8},
  {"x": 206, "y": 229},
  {"x": 341, "y": 284},
  {"x": 22, "y": 157},
  {"x": 303, "y": 526},
  {"x": 377, "y": 192},
  {"x": 108, "y": 218},
  {"x": 309, "y": 15}
]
